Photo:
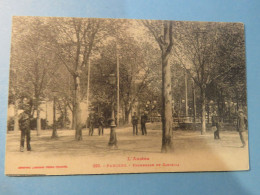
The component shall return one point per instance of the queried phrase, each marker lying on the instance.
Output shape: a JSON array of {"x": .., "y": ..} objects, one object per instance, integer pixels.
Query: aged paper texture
[{"x": 106, "y": 96}]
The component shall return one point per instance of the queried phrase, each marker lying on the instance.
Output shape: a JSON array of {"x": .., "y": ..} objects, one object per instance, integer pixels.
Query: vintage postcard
[{"x": 109, "y": 96}]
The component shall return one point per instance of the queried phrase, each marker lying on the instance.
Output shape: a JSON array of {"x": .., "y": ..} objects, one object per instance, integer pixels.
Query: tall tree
[
  {"x": 137, "y": 71},
  {"x": 77, "y": 37},
  {"x": 30, "y": 59},
  {"x": 162, "y": 31},
  {"x": 207, "y": 51}
]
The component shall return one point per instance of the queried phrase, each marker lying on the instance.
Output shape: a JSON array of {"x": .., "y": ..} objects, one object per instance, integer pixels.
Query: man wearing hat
[
  {"x": 91, "y": 124},
  {"x": 24, "y": 124},
  {"x": 135, "y": 123},
  {"x": 241, "y": 127},
  {"x": 143, "y": 123},
  {"x": 100, "y": 124}
]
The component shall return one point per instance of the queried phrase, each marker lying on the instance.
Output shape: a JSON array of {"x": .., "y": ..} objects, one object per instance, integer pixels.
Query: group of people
[
  {"x": 25, "y": 120},
  {"x": 241, "y": 125},
  {"x": 92, "y": 121},
  {"x": 135, "y": 120},
  {"x": 99, "y": 122}
]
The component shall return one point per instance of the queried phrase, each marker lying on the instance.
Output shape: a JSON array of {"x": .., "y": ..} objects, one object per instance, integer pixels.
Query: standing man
[
  {"x": 241, "y": 127},
  {"x": 91, "y": 124},
  {"x": 135, "y": 123},
  {"x": 143, "y": 122},
  {"x": 215, "y": 125},
  {"x": 100, "y": 124},
  {"x": 24, "y": 124}
]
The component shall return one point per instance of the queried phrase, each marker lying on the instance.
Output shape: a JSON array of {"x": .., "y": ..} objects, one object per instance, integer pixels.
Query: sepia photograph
[{"x": 110, "y": 96}]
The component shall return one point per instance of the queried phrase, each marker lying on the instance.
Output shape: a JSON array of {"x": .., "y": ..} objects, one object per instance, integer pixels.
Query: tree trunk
[
  {"x": 186, "y": 95},
  {"x": 64, "y": 124},
  {"x": 16, "y": 117},
  {"x": 165, "y": 42},
  {"x": 127, "y": 113},
  {"x": 208, "y": 109},
  {"x": 203, "y": 110},
  {"x": 74, "y": 111},
  {"x": 219, "y": 105},
  {"x": 237, "y": 98},
  {"x": 180, "y": 108},
  {"x": 38, "y": 117},
  {"x": 194, "y": 103},
  {"x": 78, "y": 125},
  {"x": 117, "y": 88},
  {"x": 37, "y": 98},
  {"x": 73, "y": 124},
  {"x": 54, "y": 130},
  {"x": 167, "y": 104},
  {"x": 222, "y": 106}
]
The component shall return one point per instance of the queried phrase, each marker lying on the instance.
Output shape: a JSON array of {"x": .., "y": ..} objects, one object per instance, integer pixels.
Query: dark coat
[
  {"x": 214, "y": 120},
  {"x": 134, "y": 120},
  {"x": 101, "y": 121},
  {"x": 143, "y": 119},
  {"x": 24, "y": 121},
  {"x": 241, "y": 125}
]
